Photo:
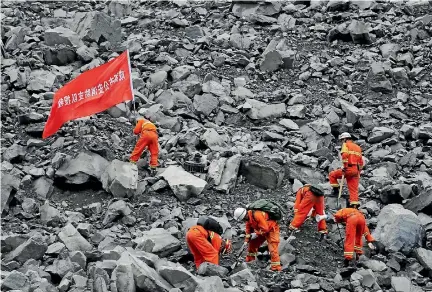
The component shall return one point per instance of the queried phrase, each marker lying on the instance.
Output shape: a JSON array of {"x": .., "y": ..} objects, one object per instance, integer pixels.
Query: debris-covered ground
[{"x": 260, "y": 90}]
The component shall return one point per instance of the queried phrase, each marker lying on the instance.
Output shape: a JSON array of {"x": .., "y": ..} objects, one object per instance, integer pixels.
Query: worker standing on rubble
[
  {"x": 355, "y": 229},
  {"x": 259, "y": 228},
  {"x": 148, "y": 139},
  {"x": 352, "y": 160},
  {"x": 308, "y": 198},
  {"x": 205, "y": 242}
]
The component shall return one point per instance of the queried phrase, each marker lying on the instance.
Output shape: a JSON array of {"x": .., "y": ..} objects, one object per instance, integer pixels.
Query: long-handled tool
[
  {"x": 238, "y": 256},
  {"x": 340, "y": 190}
]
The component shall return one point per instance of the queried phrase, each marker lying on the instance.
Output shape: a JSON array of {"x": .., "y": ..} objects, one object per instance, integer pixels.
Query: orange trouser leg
[
  {"x": 201, "y": 248},
  {"x": 154, "y": 149},
  {"x": 334, "y": 176},
  {"x": 353, "y": 180},
  {"x": 350, "y": 234},
  {"x": 253, "y": 247},
  {"x": 273, "y": 240},
  {"x": 319, "y": 209},
  {"x": 301, "y": 215},
  {"x": 360, "y": 230},
  {"x": 147, "y": 139}
]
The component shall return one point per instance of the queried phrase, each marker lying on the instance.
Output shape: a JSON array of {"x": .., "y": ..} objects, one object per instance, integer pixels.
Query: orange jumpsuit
[
  {"x": 353, "y": 163},
  {"x": 305, "y": 201},
  {"x": 204, "y": 245},
  {"x": 355, "y": 228},
  {"x": 148, "y": 139},
  {"x": 265, "y": 229}
]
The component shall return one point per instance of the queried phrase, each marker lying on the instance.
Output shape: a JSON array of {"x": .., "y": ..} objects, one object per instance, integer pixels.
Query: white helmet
[
  {"x": 239, "y": 214},
  {"x": 344, "y": 135}
]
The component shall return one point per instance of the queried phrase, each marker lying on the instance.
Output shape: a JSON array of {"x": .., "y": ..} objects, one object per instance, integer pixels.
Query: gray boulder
[
  {"x": 209, "y": 269},
  {"x": 398, "y": 229},
  {"x": 210, "y": 284},
  {"x": 120, "y": 179},
  {"x": 50, "y": 215},
  {"x": 116, "y": 210},
  {"x": 34, "y": 248},
  {"x": 424, "y": 256},
  {"x": 177, "y": 275},
  {"x": 41, "y": 81},
  {"x": 229, "y": 174},
  {"x": 83, "y": 168},
  {"x": 16, "y": 281},
  {"x": 353, "y": 113},
  {"x": 122, "y": 278},
  {"x": 73, "y": 239},
  {"x": 379, "y": 134},
  {"x": 182, "y": 183},
  {"x": 205, "y": 104},
  {"x": 262, "y": 172},
  {"x": 14, "y": 152},
  {"x": 260, "y": 110},
  {"x": 43, "y": 187},
  {"x": 96, "y": 26},
  {"x": 62, "y": 36},
  {"x": 421, "y": 203},
  {"x": 158, "y": 241},
  {"x": 9, "y": 186}
]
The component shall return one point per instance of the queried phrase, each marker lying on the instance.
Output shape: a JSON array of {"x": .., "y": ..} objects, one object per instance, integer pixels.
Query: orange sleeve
[
  {"x": 248, "y": 227},
  {"x": 261, "y": 220},
  {"x": 299, "y": 197},
  {"x": 137, "y": 129},
  {"x": 216, "y": 242},
  {"x": 345, "y": 154},
  {"x": 367, "y": 234}
]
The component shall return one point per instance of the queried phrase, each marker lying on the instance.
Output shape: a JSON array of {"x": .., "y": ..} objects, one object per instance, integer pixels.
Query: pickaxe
[{"x": 238, "y": 256}]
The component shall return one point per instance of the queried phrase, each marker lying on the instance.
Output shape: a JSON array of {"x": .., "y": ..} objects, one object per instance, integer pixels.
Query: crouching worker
[
  {"x": 307, "y": 198},
  {"x": 259, "y": 228},
  {"x": 148, "y": 139},
  {"x": 355, "y": 229},
  {"x": 205, "y": 242}
]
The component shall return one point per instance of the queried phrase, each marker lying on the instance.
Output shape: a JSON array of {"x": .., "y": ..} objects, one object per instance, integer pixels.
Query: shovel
[
  {"x": 340, "y": 191},
  {"x": 238, "y": 255}
]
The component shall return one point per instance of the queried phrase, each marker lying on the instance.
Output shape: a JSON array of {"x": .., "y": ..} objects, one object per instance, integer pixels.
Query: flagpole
[{"x": 131, "y": 85}]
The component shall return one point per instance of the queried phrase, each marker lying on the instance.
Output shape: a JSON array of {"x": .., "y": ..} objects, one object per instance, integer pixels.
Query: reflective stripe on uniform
[
  {"x": 354, "y": 202},
  {"x": 252, "y": 254},
  {"x": 365, "y": 234},
  {"x": 275, "y": 263},
  {"x": 348, "y": 253},
  {"x": 292, "y": 227},
  {"x": 334, "y": 185},
  {"x": 323, "y": 231},
  {"x": 358, "y": 247},
  {"x": 248, "y": 235},
  {"x": 211, "y": 235},
  {"x": 354, "y": 153}
]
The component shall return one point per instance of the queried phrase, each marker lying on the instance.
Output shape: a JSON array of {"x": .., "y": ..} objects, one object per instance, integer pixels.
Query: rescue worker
[
  {"x": 260, "y": 228},
  {"x": 352, "y": 160},
  {"x": 148, "y": 139},
  {"x": 308, "y": 198},
  {"x": 355, "y": 229},
  {"x": 206, "y": 245}
]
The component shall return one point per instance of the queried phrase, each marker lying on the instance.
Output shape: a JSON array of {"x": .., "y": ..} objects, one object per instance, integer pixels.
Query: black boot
[
  {"x": 323, "y": 236},
  {"x": 346, "y": 263},
  {"x": 335, "y": 191},
  {"x": 153, "y": 171}
]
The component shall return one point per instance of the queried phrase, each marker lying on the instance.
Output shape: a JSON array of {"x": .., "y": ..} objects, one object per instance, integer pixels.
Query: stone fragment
[
  {"x": 50, "y": 215},
  {"x": 182, "y": 183},
  {"x": 120, "y": 179},
  {"x": 260, "y": 110},
  {"x": 33, "y": 248},
  {"x": 116, "y": 210},
  {"x": 262, "y": 172},
  {"x": 229, "y": 174},
  {"x": 421, "y": 203},
  {"x": 62, "y": 36},
  {"x": 73, "y": 239},
  {"x": 209, "y": 269},
  {"x": 16, "y": 281},
  {"x": 205, "y": 104},
  {"x": 158, "y": 241},
  {"x": 379, "y": 134}
]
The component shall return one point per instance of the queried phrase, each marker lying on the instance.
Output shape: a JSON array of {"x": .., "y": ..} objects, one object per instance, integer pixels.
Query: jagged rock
[
  {"x": 194, "y": 32},
  {"x": 215, "y": 171},
  {"x": 240, "y": 41},
  {"x": 50, "y": 215},
  {"x": 55, "y": 248},
  {"x": 379, "y": 134},
  {"x": 389, "y": 50},
  {"x": 205, "y": 104},
  {"x": 210, "y": 284},
  {"x": 287, "y": 22},
  {"x": 271, "y": 62},
  {"x": 244, "y": 276},
  {"x": 212, "y": 139},
  {"x": 171, "y": 99},
  {"x": 353, "y": 114},
  {"x": 73, "y": 240},
  {"x": 177, "y": 275},
  {"x": 398, "y": 229},
  {"x": 86, "y": 54},
  {"x": 60, "y": 267},
  {"x": 421, "y": 203},
  {"x": 229, "y": 173},
  {"x": 30, "y": 118},
  {"x": 115, "y": 210},
  {"x": 158, "y": 241},
  {"x": 209, "y": 269},
  {"x": 262, "y": 172},
  {"x": 9, "y": 186},
  {"x": 401, "y": 284},
  {"x": 14, "y": 153},
  {"x": 120, "y": 179},
  {"x": 296, "y": 111},
  {"x": 359, "y": 32},
  {"x": 83, "y": 168},
  {"x": 182, "y": 183},
  {"x": 400, "y": 75},
  {"x": 424, "y": 256},
  {"x": 16, "y": 281},
  {"x": 321, "y": 126},
  {"x": 120, "y": 8},
  {"x": 96, "y": 26},
  {"x": 425, "y": 131},
  {"x": 17, "y": 37},
  {"x": 11, "y": 242},
  {"x": 181, "y": 72},
  {"x": 33, "y": 248},
  {"x": 289, "y": 124},
  {"x": 260, "y": 110},
  {"x": 396, "y": 194},
  {"x": 62, "y": 36},
  {"x": 122, "y": 278},
  {"x": 43, "y": 187},
  {"x": 41, "y": 81}
]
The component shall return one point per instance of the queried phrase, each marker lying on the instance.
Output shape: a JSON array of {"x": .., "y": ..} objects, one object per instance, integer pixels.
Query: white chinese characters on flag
[{"x": 91, "y": 92}]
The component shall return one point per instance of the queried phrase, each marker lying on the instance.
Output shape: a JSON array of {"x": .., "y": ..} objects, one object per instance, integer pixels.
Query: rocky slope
[{"x": 260, "y": 91}]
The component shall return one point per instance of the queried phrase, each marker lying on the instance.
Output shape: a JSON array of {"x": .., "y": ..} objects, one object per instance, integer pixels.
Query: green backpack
[{"x": 274, "y": 210}]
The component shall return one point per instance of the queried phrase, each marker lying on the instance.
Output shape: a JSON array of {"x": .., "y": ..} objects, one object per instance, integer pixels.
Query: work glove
[
  {"x": 227, "y": 247},
  {"x": 250, "y": 236},
  {"x": 372, "y": 245},
  {"x": 310, "y": 212},
  {"x": 254, "y": 235},
  {"x": 318, "y": 218}
]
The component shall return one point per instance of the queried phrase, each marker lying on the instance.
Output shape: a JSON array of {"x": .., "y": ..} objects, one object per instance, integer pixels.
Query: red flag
[{"x": 91, "y": 92}]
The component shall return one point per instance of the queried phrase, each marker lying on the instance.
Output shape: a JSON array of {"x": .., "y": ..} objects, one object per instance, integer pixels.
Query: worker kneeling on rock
[
  {"x": 205, "y": 242},
  {"x": 259, "y": 228},
  {"x": 355, "y": 229},
  {"x": 309, "y": 197},
  {"x": 148, "y": 139}
]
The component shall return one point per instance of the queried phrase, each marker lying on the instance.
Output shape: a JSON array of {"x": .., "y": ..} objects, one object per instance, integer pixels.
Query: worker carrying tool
[
  {"x": 308, "y": 198},
  {"x": 205, "y": 242},
  {"x": 352, "y": 160},
  {"x": 355, "y": 229},
  {"x": 148, "y": 139},
  {"x": 261, "y": 226}
]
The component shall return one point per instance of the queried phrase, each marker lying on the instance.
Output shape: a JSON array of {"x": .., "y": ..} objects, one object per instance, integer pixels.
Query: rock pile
[{"x": 260, "y": 90}]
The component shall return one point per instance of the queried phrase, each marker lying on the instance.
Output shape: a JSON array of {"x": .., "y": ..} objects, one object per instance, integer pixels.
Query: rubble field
[{"x": 258, "y": 92}]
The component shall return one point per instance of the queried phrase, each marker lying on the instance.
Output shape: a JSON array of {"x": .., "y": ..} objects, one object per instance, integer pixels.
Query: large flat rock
[
  {"x": 262, "y": 172},
  {"x": 182, "y": 183},
  {"x": 120, "y": 179}
]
